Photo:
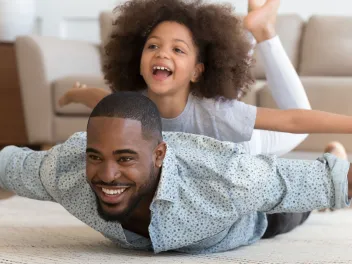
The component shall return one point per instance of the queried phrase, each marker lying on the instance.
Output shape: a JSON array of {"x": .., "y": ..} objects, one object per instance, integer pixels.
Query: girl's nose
[{"x": 162, "y": 54}]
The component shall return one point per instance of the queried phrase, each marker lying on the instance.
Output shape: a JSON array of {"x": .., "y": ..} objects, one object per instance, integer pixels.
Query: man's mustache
[{"x": 112, "y": 184}]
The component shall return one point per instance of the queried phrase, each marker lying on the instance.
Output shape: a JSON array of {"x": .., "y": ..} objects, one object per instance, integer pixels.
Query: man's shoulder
[
  {"x": 79, "y": 136},
  {"x": 69, "y": 155},
  {"x": 188, "y": 142},
  {"x": 77, "y": 141}
]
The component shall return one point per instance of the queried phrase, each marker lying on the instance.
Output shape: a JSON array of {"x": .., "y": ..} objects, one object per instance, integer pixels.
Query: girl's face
[{"x": 169, "y": 59}]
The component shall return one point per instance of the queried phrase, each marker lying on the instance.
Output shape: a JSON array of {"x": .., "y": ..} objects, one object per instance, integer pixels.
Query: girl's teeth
[{"x": 161, "y": 68}]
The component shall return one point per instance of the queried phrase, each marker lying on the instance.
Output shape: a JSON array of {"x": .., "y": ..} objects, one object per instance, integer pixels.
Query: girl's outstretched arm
[{"x": 302, "y": 121}]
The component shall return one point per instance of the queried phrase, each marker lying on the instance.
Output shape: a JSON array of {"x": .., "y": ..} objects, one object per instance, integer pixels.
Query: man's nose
[{"x": 109, "y": 172}]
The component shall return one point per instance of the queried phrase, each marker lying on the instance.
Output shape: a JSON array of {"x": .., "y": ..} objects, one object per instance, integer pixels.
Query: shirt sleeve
[
  {"x": 39, "y": 174},
  {"x": 272, "y": 185},
  {"x": 231, "y": 120}
]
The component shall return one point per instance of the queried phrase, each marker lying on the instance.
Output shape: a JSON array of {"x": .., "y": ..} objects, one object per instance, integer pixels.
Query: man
[{"x": 189, "y": 193}]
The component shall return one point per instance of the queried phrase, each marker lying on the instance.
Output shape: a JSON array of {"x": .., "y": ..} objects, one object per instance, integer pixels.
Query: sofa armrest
[
  {"x": 252, "y": 96},
  {"x": 42, "y": 60}
]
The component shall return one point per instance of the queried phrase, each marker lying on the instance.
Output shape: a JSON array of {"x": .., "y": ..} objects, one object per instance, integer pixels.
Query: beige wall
[{"x": 78, "y": 19}]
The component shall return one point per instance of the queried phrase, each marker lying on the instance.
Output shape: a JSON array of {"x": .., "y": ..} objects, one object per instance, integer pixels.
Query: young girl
[{"x": 192, "y": 59}]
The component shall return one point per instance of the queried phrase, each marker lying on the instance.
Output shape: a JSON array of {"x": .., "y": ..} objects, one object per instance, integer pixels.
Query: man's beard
[{"x": 122, "y": 217}]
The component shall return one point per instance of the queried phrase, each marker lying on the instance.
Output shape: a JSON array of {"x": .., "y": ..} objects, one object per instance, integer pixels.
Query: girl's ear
[{"x": 198, "y": 71}]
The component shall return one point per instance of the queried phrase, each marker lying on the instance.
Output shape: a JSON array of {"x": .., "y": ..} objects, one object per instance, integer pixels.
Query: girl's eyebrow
[
  {"x": 153, "y": 37},
  {"x": 180, "y": 40},
  {"x": 175, "y": 40}
]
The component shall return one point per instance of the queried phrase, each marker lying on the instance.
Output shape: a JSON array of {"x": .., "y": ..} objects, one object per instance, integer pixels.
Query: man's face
[{"x": 122, "y": 166}]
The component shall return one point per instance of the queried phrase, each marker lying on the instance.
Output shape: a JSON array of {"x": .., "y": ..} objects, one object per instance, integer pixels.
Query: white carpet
[{"x": 42, "y": 232}]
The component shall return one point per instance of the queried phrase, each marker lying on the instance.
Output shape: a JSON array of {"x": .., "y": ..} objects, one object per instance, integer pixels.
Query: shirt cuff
[
  {"x": 339, "y": 170},
  {"x": 5, "y": 157}
]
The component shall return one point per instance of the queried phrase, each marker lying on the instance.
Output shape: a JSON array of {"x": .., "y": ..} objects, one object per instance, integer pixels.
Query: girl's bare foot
[
  {"x": 261, "y": 18},
  {"x": 337, "y": 149}
]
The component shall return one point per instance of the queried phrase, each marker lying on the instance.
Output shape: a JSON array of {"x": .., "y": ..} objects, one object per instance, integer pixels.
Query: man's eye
[
  {"x": 93, "y": 157},
  {"x": 125, "y": 159}
]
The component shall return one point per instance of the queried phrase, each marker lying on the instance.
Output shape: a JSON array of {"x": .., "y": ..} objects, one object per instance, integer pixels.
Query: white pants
[{"x": 288, "y": 93}]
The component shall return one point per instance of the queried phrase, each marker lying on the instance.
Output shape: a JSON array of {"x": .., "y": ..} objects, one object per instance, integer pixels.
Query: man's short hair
[{"x": 135, "y": 106}]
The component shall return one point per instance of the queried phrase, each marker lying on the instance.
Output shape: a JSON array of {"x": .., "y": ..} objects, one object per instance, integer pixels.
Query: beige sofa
[{"x": 320, "y": 49}]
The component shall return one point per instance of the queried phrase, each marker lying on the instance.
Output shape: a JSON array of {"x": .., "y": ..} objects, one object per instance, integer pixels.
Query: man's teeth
[
  {"x": 113, "y": 192},
  {"x": 161, "y": 68}
]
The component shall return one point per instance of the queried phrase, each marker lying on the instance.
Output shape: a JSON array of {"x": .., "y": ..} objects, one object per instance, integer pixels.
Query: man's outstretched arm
[
  {"x": 38, "y": 174},
  {"x": 262, "y": 183},
  {"x": 274, "y": 185}
]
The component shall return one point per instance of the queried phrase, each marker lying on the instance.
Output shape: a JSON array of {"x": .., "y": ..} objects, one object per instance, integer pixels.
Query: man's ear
[
  {"x": 198, "y": 71},
  {"x": 159, "y": 154}
]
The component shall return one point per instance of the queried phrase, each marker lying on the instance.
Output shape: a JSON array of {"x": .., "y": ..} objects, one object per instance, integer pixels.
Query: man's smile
[{"x": 111, "y": 195}]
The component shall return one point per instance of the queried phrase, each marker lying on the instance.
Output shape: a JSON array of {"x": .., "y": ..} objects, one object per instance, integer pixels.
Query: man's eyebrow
[
  {"x": 124, "y": 151},
  {"x": 92, "y": 150},
  {"x": 116, "y": 152}
]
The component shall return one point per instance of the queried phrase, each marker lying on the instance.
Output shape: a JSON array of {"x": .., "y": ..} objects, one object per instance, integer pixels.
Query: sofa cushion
[
  {"x": 251, "y": 96},
  {"x": 289, "y": 28},
  {"x": 61, "y": 86},
  {"x": 331, "y": 94},
  {"x": 327, "y": 47},
  {"x": 65, "y": 126}
]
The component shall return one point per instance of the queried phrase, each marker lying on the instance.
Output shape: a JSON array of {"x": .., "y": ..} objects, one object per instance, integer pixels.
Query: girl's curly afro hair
[{"x": 223, "y": 45}]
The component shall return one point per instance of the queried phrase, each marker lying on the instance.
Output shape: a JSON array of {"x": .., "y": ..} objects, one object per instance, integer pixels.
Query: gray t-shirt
[{"x": 230, "y": 120}]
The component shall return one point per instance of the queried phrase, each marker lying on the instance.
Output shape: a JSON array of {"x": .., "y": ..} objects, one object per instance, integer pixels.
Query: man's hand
[
  {"x": 5, "y": 194},
  {"x": 261, "y": 18}
]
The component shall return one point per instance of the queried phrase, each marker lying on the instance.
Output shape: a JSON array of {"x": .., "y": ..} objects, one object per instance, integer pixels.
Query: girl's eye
[
  {"x": 178, "y": 50},
  {"x": 152, "y": 46}
]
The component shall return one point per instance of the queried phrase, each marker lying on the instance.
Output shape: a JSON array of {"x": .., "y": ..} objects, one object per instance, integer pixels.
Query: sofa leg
[{"x": 46, "y": 147}]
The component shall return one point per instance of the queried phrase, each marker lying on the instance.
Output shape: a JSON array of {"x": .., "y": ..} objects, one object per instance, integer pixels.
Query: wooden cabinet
[{"x": 12, "y": 124}]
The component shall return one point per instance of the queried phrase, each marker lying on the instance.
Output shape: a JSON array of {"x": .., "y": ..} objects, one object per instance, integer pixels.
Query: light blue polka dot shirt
[{"x": 211, "y": 197}]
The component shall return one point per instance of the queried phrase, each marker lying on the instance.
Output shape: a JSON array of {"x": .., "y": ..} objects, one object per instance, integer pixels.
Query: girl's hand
[
  {"x": 81, "y": 94},
  {"x": 70, "y": 96}
]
